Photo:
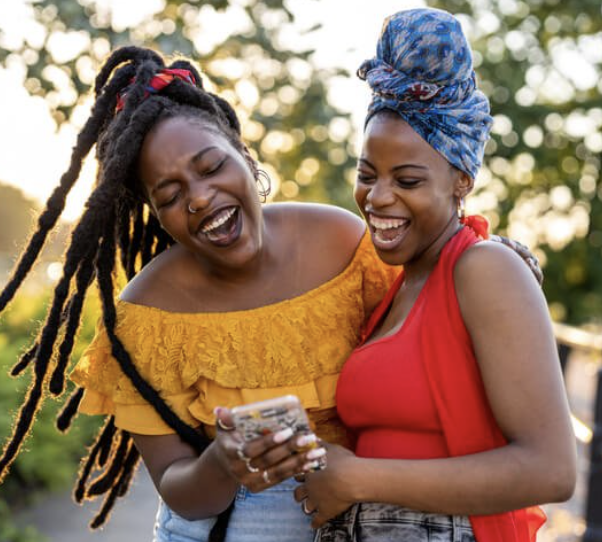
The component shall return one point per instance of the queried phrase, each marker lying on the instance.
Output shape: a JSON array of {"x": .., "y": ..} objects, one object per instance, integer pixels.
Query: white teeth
[
  {"x": 220, "y": 219},
  {"x": 386, "y": 223}
]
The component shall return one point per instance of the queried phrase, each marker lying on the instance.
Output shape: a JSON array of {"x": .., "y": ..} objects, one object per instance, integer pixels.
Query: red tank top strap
[{"x": 382, "y": 307}]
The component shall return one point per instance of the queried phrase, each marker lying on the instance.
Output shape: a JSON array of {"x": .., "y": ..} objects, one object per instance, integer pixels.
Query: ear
[{"x": 463, "y": 184}]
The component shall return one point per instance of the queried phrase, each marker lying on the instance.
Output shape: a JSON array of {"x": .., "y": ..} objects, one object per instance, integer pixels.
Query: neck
[{"x": 419, "y": 268}]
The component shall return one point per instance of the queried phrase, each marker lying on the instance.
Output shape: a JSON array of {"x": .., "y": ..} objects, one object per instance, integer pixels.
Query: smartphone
[{"x": 264, "y": 417}]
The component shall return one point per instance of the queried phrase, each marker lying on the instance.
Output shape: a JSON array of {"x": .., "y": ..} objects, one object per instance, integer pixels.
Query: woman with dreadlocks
[{"x": 227, "y": 303}]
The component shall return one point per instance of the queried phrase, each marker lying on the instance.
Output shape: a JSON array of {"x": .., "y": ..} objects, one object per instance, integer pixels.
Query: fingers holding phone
[{"x": 265, "y": 443}]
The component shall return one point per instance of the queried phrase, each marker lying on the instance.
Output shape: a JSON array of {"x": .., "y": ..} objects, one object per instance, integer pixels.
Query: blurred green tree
[
  {"x": 243, "y": 47},
  {"x": 538, "y": 60}
]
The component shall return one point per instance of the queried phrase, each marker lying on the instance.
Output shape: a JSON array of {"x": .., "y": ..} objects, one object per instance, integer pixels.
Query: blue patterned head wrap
[{"x": 423, "y": 71}]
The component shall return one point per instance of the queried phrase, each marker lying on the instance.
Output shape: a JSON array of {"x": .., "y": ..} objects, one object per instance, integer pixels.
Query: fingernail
[
  {"x": 217, "y": 410},
  {"x": 305, "y": 440},
  {"x": 312, "y": 465},
  {"x": 283, "y": 436},
  {"x": 316, "y": 453}
]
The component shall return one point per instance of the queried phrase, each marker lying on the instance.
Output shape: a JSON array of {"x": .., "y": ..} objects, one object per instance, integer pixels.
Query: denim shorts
[
  {"x": 376, "y": 522},
  {"x": 270, "y": 516}
]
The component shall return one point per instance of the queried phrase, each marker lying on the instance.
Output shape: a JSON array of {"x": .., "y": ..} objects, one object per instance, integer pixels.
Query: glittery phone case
[{"x": 265, "y": 417}]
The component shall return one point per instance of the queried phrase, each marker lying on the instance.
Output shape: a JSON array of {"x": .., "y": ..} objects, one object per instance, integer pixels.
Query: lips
[
  {"x": 222, "y": 227},
  {"x": 216, "y": 219},
  {"x": 387, "y": 232}
]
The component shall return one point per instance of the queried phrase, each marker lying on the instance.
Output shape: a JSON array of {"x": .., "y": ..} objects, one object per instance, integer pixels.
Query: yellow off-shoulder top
[{"x": 198, "y": 361}]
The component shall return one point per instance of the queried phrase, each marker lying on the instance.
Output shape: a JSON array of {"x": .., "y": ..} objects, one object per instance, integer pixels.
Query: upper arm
[
  {"x": 160, "y": 451},
  {"x": 506, "y": 316}
]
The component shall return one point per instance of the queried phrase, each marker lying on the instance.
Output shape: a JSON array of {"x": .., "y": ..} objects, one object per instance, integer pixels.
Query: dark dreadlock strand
[
  {"x": 105, "y": 264},
  {"x": 83, "y": 281},
  {"x": 24, "y": 361},
  {"x": 183, "y": 64},
  {"x": 83, "y": 238},
  {"x": 56, "y": 203},
  {"x": 119, "y": 489},
  {"x": 114, "y": 220},
  {"x": 105, "y": 482},
  {"x": 97, "y": 456},
  {"x": 30, "y": 354},
  {"x": 130, "y": 464},
  {"x": 137, "y": 233},
  {"x": 124, "y": 54},
  {"x": 69, "y": 410}
]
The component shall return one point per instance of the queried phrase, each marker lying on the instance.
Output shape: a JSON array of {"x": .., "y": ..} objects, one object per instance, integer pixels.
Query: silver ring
[
  {"x": 191, "y": 210},
  {"x": 304, "y": 507},
  {"x": 266, "y": 477},
  {"x": 223, "y": 426},
  {"x": 246, "y": 460},
  {"x": 241, "y": 453},
  {"x": 250, "y": 467}
]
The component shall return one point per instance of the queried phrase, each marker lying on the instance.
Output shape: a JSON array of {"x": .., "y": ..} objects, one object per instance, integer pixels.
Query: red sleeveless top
[{"x": 418, "y": 394}]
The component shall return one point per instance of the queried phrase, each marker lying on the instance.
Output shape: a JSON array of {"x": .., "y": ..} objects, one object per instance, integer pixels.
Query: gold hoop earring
[
  {"x": 461, "y": 210},
  {"x": 265, "y": 184}
]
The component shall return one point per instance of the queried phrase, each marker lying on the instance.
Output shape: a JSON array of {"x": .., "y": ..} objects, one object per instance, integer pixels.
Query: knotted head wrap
[{"x": 423, "y": 71}]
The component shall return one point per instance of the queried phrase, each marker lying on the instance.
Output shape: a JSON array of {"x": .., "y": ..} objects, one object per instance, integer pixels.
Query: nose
[
  {"x": 201, "y": 194},
  {"x": 380, "y": 194}
]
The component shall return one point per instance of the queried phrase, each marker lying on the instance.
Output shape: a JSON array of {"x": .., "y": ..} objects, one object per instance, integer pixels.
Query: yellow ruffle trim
[{"x": 201, "y": 360}]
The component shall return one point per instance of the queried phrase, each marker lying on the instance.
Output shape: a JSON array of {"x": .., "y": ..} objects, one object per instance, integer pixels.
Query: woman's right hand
[{"x": 264, "y": 461}]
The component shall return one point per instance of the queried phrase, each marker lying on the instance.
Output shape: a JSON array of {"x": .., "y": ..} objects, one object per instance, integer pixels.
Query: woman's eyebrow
[
  {"x": 197, "y": 157},
  {"x": 394, "y": 168}
]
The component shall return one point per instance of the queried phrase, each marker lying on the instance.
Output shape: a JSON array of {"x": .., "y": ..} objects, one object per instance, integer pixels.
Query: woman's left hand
[{"x": 327, "y": 493}]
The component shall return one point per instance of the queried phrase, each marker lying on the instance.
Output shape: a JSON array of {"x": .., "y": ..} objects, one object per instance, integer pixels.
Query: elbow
[
  {"x": 563, "y": 483},
  {"x": 560, "y": 479}
]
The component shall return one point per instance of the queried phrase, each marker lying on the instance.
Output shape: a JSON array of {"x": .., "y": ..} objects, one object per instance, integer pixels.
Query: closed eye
[
  {"x": 172, "y": 199},
  {"x": 408, "y": 183},
  {"x": 365, "y": 177},
  {"x": 214, "y": 168}
]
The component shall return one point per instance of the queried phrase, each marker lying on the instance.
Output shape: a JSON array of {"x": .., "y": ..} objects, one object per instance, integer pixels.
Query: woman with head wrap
[{"x": 455, "y": 395}]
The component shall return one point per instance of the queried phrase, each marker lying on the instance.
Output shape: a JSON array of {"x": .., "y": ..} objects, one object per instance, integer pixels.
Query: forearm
[
  {"x": 489, "y": 482},
  {"x": 197, "y": 488}
]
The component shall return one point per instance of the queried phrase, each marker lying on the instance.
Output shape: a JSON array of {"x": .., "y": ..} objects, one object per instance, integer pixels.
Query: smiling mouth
[
  {"x": 222, "y": 227},
  {"x": 387, "y": 231}
]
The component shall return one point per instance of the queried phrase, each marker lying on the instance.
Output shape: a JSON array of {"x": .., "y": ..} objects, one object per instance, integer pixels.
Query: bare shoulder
[
  {"x": 491, "y": 279},
  {"x": 323, "y": 227},
  {"x": 490, "y": 261},
  {"x": 153, "y": 281}
]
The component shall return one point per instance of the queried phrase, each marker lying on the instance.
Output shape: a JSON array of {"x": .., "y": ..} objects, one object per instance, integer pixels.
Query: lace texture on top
[{"x": 204, "y": 359}]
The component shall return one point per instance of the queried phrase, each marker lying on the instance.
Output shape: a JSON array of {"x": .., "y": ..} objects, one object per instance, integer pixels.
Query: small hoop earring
[
  {"x": 461, "y": 209},
  {"x": 265, "y": 184},
  {"x": 191, "y": 210}
]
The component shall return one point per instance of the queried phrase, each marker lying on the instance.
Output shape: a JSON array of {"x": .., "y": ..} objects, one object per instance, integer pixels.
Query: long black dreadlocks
[{"x": 114, "y": 222}]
